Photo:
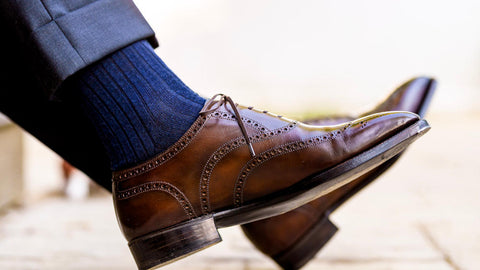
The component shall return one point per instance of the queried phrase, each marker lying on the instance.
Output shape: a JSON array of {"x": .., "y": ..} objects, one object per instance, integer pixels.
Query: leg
[
  {"x": 231, "y": 164},
  {"x": 43, "y": 44},
  {"x": 62, "y": 128}
]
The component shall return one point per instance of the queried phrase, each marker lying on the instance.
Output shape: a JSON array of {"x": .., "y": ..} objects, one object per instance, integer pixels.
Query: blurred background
[{"x": 296, "y": 58}]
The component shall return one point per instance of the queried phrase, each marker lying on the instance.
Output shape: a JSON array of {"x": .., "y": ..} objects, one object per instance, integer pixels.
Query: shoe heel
[
  {"x": 306, "y": 248},
  {"x": 166, "y": 246}
]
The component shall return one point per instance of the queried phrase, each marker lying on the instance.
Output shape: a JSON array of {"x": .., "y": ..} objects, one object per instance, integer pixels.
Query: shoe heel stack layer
[
  {"x": 305, "y": 249},
  {"x": 166, "y": 246}
]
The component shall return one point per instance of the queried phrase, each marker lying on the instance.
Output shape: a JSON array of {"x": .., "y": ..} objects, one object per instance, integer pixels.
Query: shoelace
[{"x": 224, "y": 100}]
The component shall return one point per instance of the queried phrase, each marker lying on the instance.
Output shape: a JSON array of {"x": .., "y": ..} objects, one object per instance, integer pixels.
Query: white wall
[{"x": 320, "y": 55}]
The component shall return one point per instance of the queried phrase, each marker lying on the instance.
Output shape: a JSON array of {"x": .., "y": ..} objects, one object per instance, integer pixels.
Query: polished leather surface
[
  {"x": 277, "y": 234},
  {"x": 211, "y": 169}
]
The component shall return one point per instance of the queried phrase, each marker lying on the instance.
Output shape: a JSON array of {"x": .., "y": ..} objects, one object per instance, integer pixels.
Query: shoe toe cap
[{"x": 374, "y": 128}]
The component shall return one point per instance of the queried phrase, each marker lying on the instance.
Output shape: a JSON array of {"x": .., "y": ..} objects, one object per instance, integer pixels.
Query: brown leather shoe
[
  {"x": 294, "y": 238},
  {"x": 236, "y": 165}
]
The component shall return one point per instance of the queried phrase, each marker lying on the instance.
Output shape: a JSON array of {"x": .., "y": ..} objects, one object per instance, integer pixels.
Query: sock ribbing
[{"x": 137, "y": 104}]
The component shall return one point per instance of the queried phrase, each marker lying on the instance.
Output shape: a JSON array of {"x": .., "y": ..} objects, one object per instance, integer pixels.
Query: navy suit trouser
[{"x": 44, "y": 44}]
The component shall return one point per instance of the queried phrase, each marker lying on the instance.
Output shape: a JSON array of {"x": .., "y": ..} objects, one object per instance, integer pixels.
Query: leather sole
[
  {"x": 168, "y": 245},
  {"x": 163, "y": 247},
  {"x": 308, "y": 245}
]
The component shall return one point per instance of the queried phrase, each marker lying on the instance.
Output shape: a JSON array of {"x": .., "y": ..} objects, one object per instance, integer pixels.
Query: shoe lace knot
[{"x": 213, "y": 104}]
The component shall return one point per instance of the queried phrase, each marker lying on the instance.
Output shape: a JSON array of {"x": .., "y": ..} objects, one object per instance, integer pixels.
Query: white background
[{"x": 295, "y": 56}]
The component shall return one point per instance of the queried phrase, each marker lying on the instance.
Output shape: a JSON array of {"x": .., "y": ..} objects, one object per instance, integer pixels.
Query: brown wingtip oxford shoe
[
  {"x": 293, "y": 238},
  {"x": 235, "y": 165}
]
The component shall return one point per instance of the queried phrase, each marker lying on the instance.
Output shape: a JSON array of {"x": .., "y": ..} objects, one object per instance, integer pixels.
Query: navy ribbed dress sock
[{"x": 137, "y": 104}]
